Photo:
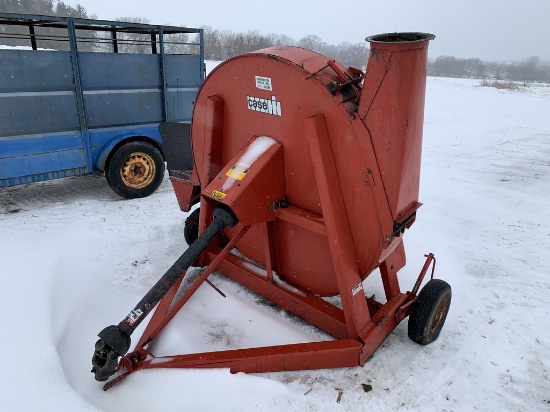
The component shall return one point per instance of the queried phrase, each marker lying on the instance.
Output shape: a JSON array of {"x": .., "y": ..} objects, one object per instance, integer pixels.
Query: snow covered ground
[{"x": 74, "y": 258}]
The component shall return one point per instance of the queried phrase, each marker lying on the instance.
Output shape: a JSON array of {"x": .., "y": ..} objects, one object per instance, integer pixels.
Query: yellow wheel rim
[
  {"x": 440, "y": 313},
  {"x": 138, "y": 170}
]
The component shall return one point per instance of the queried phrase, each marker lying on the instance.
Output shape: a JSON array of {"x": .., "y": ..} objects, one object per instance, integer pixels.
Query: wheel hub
[{"x": 440, "y": 314}]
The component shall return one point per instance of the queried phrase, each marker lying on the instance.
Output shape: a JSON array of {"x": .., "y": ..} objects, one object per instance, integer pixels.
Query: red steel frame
[
  {"x": 359, "y": 327},
  {"x": 389, "y": 114}
]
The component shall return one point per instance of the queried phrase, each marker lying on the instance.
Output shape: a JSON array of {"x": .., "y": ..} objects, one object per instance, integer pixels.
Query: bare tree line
[
  {"x": 222, "y": 45},
  {"x": 218, "y": 45},
  {"x": 45, "y": 7},
  {"x": 51, "y": 38},
  {"x": 526, "y": 71},
  {"x": 57, "y": 38}
]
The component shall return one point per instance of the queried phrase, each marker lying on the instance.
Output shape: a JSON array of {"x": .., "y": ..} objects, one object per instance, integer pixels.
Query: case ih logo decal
[{"x": 264, "y": 106}]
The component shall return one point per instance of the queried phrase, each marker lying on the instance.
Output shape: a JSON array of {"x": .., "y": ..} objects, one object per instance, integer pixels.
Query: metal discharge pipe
[
  {"x": 114, "y": 341},
  {"x": 392, "y": 109}
]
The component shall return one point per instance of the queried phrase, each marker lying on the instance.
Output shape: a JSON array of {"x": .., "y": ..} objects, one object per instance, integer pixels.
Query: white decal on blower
[
  {"x": 263, "y": 83},
  {"x": 134, "y": 315}
]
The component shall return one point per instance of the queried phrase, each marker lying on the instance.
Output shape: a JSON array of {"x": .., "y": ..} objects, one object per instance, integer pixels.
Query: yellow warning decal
[
  {"x": 237, "y": 172},
  {"x": 216, "y": 194}
]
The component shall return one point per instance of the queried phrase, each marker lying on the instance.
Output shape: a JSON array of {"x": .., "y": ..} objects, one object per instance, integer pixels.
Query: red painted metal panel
[
  {"x": 315, "y": 355},
  {"x": 395, "y": 83},
  {"x": 184, "y": 191},
  {"x": 300, "y": 96}
]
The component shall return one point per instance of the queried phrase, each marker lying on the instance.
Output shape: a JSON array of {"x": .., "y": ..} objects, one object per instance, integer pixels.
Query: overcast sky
[{"x": 489, "y": 29}]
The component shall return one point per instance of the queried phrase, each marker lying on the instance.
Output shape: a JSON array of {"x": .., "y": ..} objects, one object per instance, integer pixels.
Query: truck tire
[
  {"x": 135, "y": 170},
  {"x": 429, "y": 312}
]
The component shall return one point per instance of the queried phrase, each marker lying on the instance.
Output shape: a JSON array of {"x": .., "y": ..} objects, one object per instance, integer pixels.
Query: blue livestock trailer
[{"x": 87, "y": 96}]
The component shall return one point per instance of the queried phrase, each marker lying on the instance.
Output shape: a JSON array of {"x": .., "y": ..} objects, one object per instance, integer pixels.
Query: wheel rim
[
  {"x": 138, "y": 170},
  {"x": 440, "y": 314}
]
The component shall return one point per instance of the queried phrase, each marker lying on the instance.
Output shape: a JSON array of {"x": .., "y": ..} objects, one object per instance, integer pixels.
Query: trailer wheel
[
  {"x": 135, "y": 170},
  {"x": 429, "y": 312},
  {"x": 191, "y": 228}
]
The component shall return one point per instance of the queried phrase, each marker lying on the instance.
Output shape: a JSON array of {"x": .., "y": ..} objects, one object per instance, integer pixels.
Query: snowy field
[{"x": 75, "y": 258}]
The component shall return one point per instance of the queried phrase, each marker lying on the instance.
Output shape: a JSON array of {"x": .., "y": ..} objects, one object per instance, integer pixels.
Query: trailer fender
[{"x": 106, "y": 150}]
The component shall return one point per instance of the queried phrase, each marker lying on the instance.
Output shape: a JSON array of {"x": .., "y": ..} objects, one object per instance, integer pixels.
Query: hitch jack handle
[
  {"x": 429, "y": 259},
  {"x": 114, "y": 340},
  {"x": 404, "y": 310}
]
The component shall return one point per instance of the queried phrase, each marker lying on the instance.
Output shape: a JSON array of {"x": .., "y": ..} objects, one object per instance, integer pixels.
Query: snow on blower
[{"x": 307, "y": 173}]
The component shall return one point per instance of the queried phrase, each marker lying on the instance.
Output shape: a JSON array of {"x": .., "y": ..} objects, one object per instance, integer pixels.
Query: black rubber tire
[
  {"x": 429, "y": 312},
  {"x": 135, "y": 170},
  {"x": 191, "y": 228}
]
